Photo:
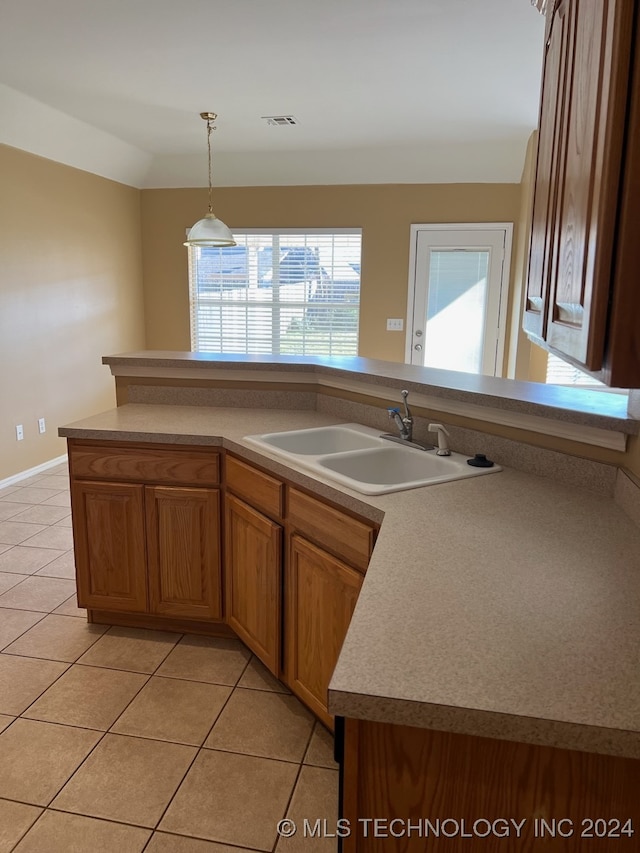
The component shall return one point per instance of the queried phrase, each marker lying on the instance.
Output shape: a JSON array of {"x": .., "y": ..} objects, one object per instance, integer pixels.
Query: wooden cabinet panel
[
  {"x": 589, "y": 173},
  {"x": 253, "y": 558},
  {"x": 109, "y": 541},
  {"x": 183, "y": 536},
  {"x": 259, "y": 489},
  {"x": 409, "y": 773},
  {"x": 580, "y": 291},
  {"x": 191, "y": 467},
  {"x": 320, "y": 595},
  {"x": 335, "y": 530},
  {"x": 549, "y": 140}
]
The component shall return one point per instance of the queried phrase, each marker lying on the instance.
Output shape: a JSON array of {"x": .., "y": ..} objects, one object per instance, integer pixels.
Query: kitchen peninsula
[{"x": 495, "y": 642}]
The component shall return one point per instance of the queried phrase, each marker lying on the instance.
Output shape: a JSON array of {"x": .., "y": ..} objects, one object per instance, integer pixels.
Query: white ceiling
[{"x": 384, "y": 90}]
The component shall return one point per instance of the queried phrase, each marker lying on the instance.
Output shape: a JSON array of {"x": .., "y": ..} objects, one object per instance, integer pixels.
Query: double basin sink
[{"x": 358, "y": 457}]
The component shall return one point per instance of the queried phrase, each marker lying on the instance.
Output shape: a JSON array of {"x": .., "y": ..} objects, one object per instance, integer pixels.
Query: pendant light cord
[{"x": 210, "y": 128}]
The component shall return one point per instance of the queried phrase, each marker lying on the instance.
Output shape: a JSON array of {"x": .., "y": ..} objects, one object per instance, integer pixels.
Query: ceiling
[{"x": 384, "y": 90}]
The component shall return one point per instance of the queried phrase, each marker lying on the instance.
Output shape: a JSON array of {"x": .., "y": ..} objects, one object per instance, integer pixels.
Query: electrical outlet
[
  {"x": 19, "y": 432},
  {"x": 42, "y": 426},
  {"x": 396, "y": 325}
]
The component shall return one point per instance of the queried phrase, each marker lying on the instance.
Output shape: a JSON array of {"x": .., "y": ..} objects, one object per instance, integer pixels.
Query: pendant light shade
[{"x": 210, "y": 231}]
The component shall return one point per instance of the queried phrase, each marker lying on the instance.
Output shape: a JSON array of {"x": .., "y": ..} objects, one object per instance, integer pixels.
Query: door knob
[
  {"x": 418, "y": 333},
  {"x": 418, "y": 347}
]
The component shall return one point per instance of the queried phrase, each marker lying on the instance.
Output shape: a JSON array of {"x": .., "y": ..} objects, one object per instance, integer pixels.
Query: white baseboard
[{"x": 23, "y": 475}]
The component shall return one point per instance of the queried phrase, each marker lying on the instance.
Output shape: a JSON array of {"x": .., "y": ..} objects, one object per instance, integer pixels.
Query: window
[
  {"x": 287, "y": 292},
  {"x": 560, "y": 372}
]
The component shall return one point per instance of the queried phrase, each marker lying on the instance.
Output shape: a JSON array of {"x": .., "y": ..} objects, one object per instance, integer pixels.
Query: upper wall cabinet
[{"x": 583, "y": 296}]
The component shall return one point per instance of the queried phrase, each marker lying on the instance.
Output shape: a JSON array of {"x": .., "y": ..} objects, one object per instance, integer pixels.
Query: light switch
[{"x": 395, "y": 325}]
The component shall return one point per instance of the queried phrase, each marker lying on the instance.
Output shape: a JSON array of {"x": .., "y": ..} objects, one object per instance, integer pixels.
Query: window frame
[{"x": 355, "y": 231}]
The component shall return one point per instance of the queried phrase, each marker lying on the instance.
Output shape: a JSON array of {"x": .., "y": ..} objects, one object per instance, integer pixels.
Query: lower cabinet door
[
  {"x": 183, "y": 543},
  {"x": 109, "y": 538},
  {"x": 320, "y": 596},
  {"x": 253, "y": 558}
]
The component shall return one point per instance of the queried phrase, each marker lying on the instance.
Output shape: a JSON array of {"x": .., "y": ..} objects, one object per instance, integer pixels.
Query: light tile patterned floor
[{"x": 116, "y": 739}]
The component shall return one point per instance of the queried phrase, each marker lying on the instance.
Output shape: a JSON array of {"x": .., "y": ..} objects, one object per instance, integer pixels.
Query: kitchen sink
[
  {"x": 320, "y": 440},
  {"x": 358, "y": 457}
]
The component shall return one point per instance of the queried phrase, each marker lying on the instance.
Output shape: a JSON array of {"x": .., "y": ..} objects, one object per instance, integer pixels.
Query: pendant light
[{"x": 210, "y": 231}]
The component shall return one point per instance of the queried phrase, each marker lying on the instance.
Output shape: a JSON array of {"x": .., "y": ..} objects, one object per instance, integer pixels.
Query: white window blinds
[{"x": 283, "y": 292}]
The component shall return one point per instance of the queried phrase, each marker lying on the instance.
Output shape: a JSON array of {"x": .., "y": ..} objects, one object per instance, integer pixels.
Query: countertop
[{"x": 505, "y": 606}]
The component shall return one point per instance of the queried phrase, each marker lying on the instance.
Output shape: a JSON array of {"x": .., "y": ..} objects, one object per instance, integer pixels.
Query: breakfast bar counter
[{"x": 503, "y": 606}]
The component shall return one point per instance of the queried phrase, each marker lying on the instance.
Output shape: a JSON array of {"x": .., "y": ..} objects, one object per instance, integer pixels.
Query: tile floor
[{"x": 117, "y": 739}]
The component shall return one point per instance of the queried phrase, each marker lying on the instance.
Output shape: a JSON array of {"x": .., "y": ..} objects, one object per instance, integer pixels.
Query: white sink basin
[
  {"x": 393, "y": 469},
  {"x": 321, "y": 440},
  {"x": 359, "y": 458}
]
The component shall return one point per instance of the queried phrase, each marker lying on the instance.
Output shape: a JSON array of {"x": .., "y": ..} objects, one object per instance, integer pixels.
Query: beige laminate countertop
[{"x": 504, "y": 606}]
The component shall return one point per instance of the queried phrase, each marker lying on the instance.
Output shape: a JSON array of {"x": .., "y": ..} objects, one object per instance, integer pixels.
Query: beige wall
[
  {"x": 70, "y": 291},
  {"x": 384, "y": 212}
]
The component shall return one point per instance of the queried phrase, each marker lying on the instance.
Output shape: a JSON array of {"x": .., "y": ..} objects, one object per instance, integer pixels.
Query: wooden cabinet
[
  {"x": 146, "y": 547},
  {"x": 183, "y": 552},
  {"x": 109, "y": 539},
  {"x": 586, "y": 200},
  {"x": 320, "y": 593},
  {"x": 412, "y": 774},
  {"x": 291, "y": 608},
  {"x": 147, "y": 525},
  {"x": 328, "y": 553},
  {"x": 253, "y": 570}
]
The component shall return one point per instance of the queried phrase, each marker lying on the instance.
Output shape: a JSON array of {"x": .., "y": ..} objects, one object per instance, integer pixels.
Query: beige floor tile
[
  {"x": 70, "y": 608},
  {"x": 41, "y": 514},
  {"x": 315, "y": 798},
  {"x": 4, "y": 547},
  {"x": 60, "y": 468},
  {"x": 32, "y": 495},
  {"x": 214, "y": 660},
  {"x": 13, "y": 623},
  {"x": 9, "y": 510},
  {"x": 32, "y": 480},
  {"x": 54, "y": 481},
  {"x": 162, "y": 842},
  {"x": 14, "y": 532},
  {"x": 234, "y": 799},
  {"x": 57, "y": 832},
  {"x": 133, "y": 649},
  {"x": 59, "y": 538},
  {"x": 15, "y": 820},
  {"x": 38, "y": 758},
  {"x": 5, "y": 720},
  {"x": 22, "y": 680},
  {"x": 38, "y": 593},
  {"x": 62, "y": 567},
  {"x": 57, "y": 638},
  {"x": 26, "y": 561},
  {"x": 257, "y": 677},
  {"x": 175, "y": 710},
  {"x": 257, "y": 722},
  {"x": 8, "y": 581},
  {"x": 320, "y": 751},
  {"x": 87, "y": 696},
  {"x": 67, "y": 521},
  {"x": 127, "y": 779},
  {"x": 7, "y": 491},
  {"x": 61, "y": 499}
]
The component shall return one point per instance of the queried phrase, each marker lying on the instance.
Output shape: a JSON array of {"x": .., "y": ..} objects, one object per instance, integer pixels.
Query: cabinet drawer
[
  {"x": 348, "y": 537},
  {"x": 258, "y": 489},
  {"x": 145, "y": 465}
]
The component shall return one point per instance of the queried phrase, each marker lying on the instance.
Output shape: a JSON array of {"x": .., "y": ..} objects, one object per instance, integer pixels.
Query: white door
[{"x": 458, "y": 288}]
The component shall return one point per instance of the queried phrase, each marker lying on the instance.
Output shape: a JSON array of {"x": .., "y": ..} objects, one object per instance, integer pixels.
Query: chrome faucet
[
  {"x": 443, "y": 445},
  {"x": 405, "y": 426}
]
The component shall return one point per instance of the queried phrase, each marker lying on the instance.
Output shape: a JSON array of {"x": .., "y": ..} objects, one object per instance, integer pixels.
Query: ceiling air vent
[{"x": 280, "y": 121}]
